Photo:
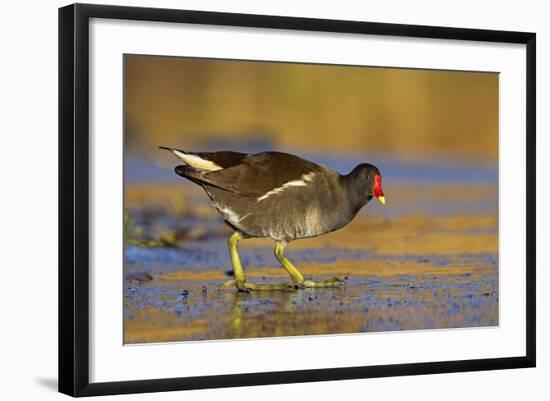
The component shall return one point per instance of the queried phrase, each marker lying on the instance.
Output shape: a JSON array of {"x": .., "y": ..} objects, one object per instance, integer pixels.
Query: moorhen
[{"x": 279, "y": 196}]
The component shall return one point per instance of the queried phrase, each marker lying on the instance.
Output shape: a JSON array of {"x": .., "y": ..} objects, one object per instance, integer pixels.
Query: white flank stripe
[
  {"x": 196, "y": 161},
  {"x": 302, "y": 182},
  {"x": 231, "y": 216},
  {"x": 308, "y": 177}
]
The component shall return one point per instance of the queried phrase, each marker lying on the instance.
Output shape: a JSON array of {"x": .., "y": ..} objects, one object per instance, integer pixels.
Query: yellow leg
[
  {"x": 295, "y": 274},
  {"x": 239, "y": 280},
  {"x": 235, "y": 259}
]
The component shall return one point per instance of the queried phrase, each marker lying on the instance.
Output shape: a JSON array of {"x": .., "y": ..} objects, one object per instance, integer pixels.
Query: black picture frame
[{"x": 74, "y": 198}]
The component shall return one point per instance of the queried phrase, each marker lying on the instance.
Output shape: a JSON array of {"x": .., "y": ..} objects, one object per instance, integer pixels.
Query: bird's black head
[{"x": 365, "y": 182}]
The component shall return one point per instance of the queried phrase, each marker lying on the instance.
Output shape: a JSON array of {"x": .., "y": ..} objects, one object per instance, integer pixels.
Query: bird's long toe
[
  {"x": 229, "y": 283},
  {"x": 243, "y": 286},
  {"x": 333, "y": 282}
]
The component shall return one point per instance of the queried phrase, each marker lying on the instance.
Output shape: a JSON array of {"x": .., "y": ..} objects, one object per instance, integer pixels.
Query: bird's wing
[{"x": 260, "y": 173}]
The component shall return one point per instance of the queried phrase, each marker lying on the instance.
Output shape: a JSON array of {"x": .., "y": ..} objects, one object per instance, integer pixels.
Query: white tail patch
[
  {"x": 196, "y": 161},
  {"x": 302, "y": 182}
]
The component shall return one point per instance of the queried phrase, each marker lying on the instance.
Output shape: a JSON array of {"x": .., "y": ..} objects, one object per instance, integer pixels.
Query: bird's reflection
[{"x": 276, "y": 309}]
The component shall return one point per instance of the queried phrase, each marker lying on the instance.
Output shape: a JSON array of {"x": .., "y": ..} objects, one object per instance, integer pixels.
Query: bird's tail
[{"x": 195, "y": 160}]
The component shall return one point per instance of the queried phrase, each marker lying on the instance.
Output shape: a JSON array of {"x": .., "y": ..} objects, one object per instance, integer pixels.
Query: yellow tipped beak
[{"x": 382, "y": 199}]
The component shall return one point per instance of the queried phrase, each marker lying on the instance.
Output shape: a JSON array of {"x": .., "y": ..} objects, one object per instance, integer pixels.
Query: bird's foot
[
  {"x": 329, "y": 283},
  {"x": 243, "y": 286}
]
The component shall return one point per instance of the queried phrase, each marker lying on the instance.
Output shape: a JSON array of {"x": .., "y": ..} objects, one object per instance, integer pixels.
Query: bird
[{"x": 278, "y": 196}]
